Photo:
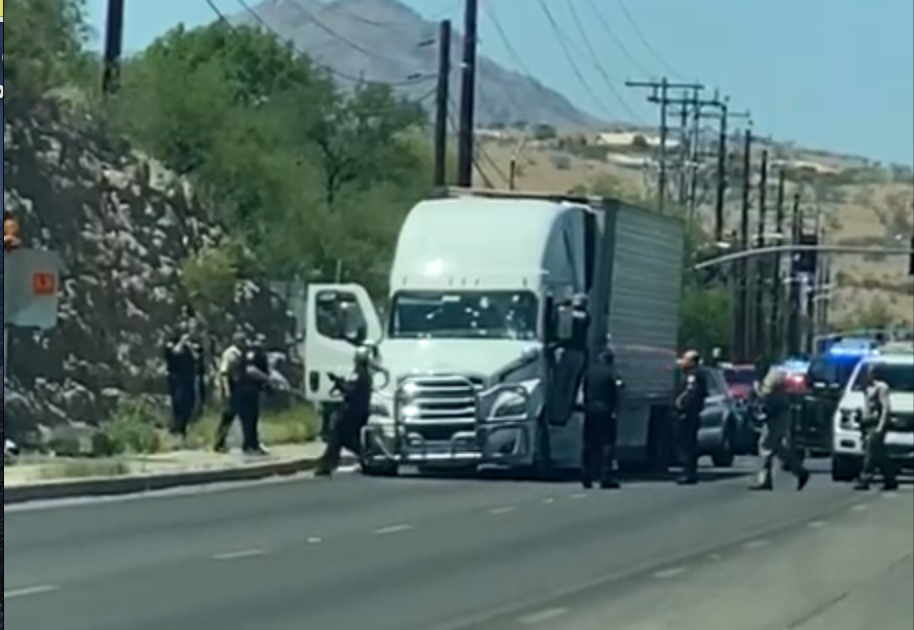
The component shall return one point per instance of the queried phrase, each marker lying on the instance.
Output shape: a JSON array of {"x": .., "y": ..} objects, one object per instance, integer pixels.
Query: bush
[{"x": 135, "y": 428}]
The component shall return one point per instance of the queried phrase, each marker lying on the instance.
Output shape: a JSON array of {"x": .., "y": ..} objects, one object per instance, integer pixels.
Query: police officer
[
  {"x": 601, "y": 395},
  {"x": 874, "y": 425},
  {"x": 689, "y": 404},
  {"x": 184, "y": 366},
  {"x": 774, "y": 442},
  {"x": 353, "y": 415},
  {"x": 245, "y": 373}
]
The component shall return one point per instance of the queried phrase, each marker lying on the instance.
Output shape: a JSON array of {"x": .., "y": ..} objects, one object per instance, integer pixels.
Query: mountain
[{"x": 382, "y": 40}]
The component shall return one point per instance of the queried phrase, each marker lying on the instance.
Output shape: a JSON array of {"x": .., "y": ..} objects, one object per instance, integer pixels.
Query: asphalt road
[{"x": 412, "y": 554}]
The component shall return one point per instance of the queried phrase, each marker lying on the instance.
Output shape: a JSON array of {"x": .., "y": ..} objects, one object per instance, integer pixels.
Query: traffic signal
[
  {"x": 807, "y": 261},
  {"x": 11, "y": 239}
]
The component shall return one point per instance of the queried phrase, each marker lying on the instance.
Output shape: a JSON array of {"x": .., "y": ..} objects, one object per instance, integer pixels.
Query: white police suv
[{"x": 894, "y": 364}]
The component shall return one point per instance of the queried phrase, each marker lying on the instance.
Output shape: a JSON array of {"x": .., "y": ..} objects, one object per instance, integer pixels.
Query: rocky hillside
[
  {"x": 380, "y": 41},
  {"x": 123, "y": 226}
]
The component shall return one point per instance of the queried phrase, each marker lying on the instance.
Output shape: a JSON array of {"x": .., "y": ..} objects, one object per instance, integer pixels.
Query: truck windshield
[
  {"x": 464, "y": 315},
  {"x": 831, "y": 370},
  {"x": 899, "y": 377}
]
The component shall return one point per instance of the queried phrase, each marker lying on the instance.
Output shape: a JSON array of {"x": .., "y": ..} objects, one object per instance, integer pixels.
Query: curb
[{"x": 137, "y": 484}]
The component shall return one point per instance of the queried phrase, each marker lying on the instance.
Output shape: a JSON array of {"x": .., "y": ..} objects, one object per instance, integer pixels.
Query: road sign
[{"x": 31, "y": 288}]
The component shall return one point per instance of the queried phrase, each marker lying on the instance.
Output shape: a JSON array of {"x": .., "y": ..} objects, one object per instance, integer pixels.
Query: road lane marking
[
  {"x": 502, "y": 510},
  {"x": 29, "y": 592},
  {"x": 817, "y": 524},
  {"x": 393, "y": 529},
  {"x": 315, "y": 540},
  {"x": 860, "y": 508},
  {"x": 239, "y": 555},
  {"x": 576, "y": 496},
  {"x": 668, "y": 574},
  {"x": 548, "y": 500},
  {"x": 755, "y": 544},
  {"x": 542, "y": 616}
]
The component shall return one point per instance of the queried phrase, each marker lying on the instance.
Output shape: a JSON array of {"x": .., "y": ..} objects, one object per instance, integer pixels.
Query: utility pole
[
  {"x": 114, "y": 46},
  {"x": 777, "y": 281},
  {"x": 741, "y": 312},
  {"x": 796, "y": 290},
  {"x": 467, "y": 126},
  {"x": 660, "y": 95},
  {"x": 759, "y": 342},
  {"x": 442, "y": 100}
]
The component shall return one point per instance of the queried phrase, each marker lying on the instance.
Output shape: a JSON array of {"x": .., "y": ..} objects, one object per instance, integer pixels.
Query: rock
[{"x": 124, "y": 225}]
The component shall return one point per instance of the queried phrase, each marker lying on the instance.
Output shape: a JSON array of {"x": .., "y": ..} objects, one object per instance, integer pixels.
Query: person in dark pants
[
  {"x": 184, "y": 366},
  {"x": 600, "y": 433},
  {"x": 874, "y": 425},
  {"x": 245, "y": 372},
  {"x": 352, "y": 415},
  {"x": 689, "y": 404}
]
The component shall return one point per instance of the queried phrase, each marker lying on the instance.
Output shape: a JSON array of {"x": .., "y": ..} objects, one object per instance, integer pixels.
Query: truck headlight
[{"x": 509, "y": 405}]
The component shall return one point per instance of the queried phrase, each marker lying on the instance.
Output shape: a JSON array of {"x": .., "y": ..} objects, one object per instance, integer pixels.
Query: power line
[
  {"x": 646, "y": 42},
  {"x": 336, "y": 73},
  {"x": 596, "y": 62},
  {"x": 566, "y": 49},
  {"x": 604, "y": 23}
]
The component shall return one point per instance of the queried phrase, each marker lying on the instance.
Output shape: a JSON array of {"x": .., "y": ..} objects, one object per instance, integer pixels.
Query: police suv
[{"x": 894, "y": 364}]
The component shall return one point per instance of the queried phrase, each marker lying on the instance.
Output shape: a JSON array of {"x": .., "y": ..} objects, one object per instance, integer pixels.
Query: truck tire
[{"x": 845, "y": 469}]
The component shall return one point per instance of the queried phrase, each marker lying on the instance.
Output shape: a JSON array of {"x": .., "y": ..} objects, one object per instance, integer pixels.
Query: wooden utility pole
[
  {"x": 466, "y": 142},
  {"x": 442, "y": 103},
  {"x": 114, "y": 46}
]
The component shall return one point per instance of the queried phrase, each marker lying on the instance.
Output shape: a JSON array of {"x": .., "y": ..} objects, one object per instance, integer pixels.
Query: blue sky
[{"x": 831, "y": 74}]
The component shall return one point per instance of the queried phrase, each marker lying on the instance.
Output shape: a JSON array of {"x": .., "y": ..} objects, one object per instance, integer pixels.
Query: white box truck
[{"x": 485, "y": 362}]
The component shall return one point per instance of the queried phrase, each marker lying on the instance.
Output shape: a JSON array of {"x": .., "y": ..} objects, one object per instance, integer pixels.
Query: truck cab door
[{"x": 338, "y": 317}]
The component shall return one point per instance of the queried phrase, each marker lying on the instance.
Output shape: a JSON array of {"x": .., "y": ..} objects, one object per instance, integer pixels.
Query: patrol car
[{"x": 894, "y": 365}]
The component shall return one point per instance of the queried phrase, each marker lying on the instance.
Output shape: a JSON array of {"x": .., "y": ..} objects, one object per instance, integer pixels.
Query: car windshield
[
  {"x": 740, "y": 376},
  {"x": 831, "y": 370},
  {"x": 464, "y": 315},
  {"x": 899, "y": 377}
]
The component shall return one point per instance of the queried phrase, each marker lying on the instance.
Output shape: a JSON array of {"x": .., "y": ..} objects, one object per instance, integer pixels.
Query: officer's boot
[
  {"x": 889, "y": 478},
  {"x": 765, "y": 481}
]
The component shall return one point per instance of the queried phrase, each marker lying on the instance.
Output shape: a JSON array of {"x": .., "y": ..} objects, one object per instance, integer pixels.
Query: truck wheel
[
  {"x": 379, "y": 470},
  {"x": 725, "y": 454},
  {"x": 845, "y": 469}
]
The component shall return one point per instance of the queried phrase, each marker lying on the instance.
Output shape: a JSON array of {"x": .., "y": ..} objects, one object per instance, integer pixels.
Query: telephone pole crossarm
[{"x": 796, "y": 249}]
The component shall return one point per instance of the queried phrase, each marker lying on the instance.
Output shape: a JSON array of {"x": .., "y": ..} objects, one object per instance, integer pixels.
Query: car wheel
[
  {"x": 725, "y": 455},
  {"x": 845, "y": 469}
]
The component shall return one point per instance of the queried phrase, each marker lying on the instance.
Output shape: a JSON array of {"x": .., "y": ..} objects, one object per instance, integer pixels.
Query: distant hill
[{"x": 381, "y": 41}]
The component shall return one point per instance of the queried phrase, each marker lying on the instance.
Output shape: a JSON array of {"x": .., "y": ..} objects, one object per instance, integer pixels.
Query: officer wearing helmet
[
  {"x": 353, "y": 415},
  {"x": 689, "y": 404},
  {"x": 601, "y": 395}
]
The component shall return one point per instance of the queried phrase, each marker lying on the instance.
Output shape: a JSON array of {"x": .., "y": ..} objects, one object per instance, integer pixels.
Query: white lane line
[
  {"x": 393, "y": 529},
  {"x": 756, "y": 544},
  {"x": 238, "y": 555},
  {"x": 860, "y": 508},
  {"x": 315, "y": 540},
  {"x": 549, "y": 501},
  {"x": 817, "y": 524},
  {"x": 668, "y": 574},
  {"x": 542, "y": 616},
  {"x": 502, "y": 510},
  {"x": 577, "y": 496},
  {"x": 31, "y": 591}
]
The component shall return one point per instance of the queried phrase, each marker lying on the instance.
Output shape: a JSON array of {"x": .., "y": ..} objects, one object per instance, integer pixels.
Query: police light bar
[{"x": 851, "y": 352}]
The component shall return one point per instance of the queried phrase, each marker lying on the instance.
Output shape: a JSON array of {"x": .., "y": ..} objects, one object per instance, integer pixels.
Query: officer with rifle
[
  {"x": 353, "y": 415},
  {"x": 874, "y": 424}
]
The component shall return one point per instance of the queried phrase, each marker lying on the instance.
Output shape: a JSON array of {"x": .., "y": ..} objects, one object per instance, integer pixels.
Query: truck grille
[{"x": 441, "y": 400}]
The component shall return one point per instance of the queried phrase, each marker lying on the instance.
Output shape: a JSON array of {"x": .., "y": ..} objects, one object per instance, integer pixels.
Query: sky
[{"x": 829, "y": 74}]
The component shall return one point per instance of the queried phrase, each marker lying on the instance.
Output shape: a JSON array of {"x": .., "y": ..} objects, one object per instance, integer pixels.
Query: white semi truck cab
[{"x": 484, "y": 347}]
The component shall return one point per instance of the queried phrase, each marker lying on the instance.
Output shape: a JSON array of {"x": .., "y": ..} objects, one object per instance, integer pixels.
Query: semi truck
[{"x": 484, "y": 343}]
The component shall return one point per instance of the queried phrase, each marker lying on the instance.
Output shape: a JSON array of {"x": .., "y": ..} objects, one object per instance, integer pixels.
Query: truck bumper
[{"x": 508, "y": 444}]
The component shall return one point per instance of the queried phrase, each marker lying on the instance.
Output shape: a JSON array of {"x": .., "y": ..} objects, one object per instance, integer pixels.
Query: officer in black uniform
[
  {"x": 184, "y": 366},
  {"x": 352, "y": 415},
  {"x": 689, "y": 404},
  {"x": 600, "y": 433},
  {"x": 246, "y": 371}
]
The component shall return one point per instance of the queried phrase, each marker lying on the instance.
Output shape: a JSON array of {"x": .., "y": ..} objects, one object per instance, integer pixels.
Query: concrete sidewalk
[{"x": 44, "y": 479}]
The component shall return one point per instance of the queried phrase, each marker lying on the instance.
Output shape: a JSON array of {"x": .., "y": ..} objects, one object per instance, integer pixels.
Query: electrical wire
[
  {"x": 592, "y": 51},
  {"x": 566, "y": 49},
  {"x": 335, "y": 73},
  {"x": 606, "y": 26},
  {"x": 646, "y": 42}
]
